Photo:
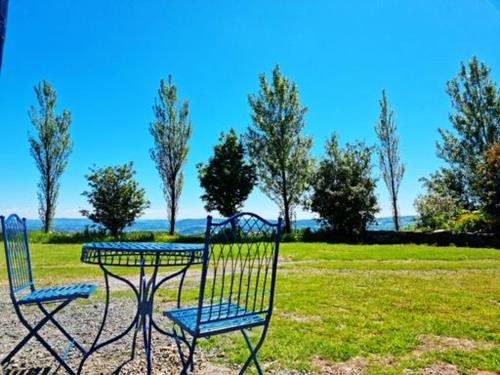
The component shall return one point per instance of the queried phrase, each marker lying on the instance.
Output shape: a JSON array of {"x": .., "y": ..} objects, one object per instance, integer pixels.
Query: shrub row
[{"x": 439, "y": 238}]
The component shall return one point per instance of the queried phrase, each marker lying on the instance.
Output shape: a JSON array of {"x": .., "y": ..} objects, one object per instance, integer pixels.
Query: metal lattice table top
[{"x": 145, "y": 253}]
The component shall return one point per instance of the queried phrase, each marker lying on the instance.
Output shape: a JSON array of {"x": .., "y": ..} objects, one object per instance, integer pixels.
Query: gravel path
[{"x": 82, "y": 320}]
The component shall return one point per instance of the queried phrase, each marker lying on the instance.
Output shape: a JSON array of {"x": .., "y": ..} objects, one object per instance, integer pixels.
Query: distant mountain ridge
[{"x": 193, "y": 226}]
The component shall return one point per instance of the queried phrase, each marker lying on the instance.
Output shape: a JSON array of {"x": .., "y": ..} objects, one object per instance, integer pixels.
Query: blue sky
[{"x": 105, "y": 59}]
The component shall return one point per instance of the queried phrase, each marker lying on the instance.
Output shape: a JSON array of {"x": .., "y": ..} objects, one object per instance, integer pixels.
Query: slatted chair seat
[
  {"x": 58, "y": 293},
  {"x": 23, "y": 292},
  {"x": 237, "y": 285},
  {"x": 225, "y": 314}
]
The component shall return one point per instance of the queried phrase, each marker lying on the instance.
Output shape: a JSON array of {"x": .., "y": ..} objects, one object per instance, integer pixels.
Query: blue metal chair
[
  {"x": 237, "y": 285},
  {"x": 23, "y": 291}
]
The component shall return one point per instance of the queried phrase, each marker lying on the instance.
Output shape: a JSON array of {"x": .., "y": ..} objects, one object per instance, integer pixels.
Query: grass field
[{"x": 379, "y": 309}]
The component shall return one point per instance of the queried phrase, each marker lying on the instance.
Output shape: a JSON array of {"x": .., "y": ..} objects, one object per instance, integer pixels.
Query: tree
[
  {"x": 171, "y": 131},
  {"x": 227, "y": 179},
  {"x": 476, "y": 124},
  {"x": 50, "y": 147},
  {"x": 492, "y": 186},
  {"x": 436, "y": 210},
  {"x": 115, "y": 196},
  {"x": 343, "y": 188},
  {"x": 388, "y": 153},
  {"x": 276, "y": 145}
]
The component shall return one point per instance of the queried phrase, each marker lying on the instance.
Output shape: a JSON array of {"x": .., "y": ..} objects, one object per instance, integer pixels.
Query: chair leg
[
  {"x": 55, "y": 354},
  {"x": 33, "y": 332},
  {"x": 61, "y": 329},
  {"x": 189, "y": 362},
  {"x": 253, "y": 351},
  {"x": 17, "y": 348},
  {"x": 179, "y": 347},
  {"x": 190, "y": 347}
]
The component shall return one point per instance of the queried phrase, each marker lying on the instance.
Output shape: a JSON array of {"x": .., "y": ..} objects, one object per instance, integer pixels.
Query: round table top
[{"x": 142, "y": 253}]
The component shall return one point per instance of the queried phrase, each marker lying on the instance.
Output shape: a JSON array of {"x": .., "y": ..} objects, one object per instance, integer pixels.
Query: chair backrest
[
  {"x": 17, "y": 254},
  {"x": 239, "y": 268}
]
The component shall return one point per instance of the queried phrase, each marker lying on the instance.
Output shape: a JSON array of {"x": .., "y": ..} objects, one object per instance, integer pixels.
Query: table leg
[
  {"x": 146, "y": 310},
  {"x": 148, "y": 290},
  {"x": 96, "y": 345},
  {"x": 181, "y": 272},
  {"x": 143, "y": 319}
]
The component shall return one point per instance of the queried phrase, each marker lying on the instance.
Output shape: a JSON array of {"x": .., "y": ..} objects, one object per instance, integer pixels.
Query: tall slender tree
[
  {"x": 50, "y": 147},
  {"x": 388, "y": 153},
  {"x": 171, "y": 130},
  {"x": 276, "y": 144},
  {"x": 475, "y": 99},
  {"x": 492, "y": 177},
  {"x": 468, "y": 147}
]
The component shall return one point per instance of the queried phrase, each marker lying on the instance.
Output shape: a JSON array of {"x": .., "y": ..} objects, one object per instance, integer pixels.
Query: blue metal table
[{"x": 142, "y": 255}]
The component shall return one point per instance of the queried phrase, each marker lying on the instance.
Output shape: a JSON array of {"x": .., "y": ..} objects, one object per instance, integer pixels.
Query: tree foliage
[
  {"x": 227, "y": 179},
  {"x": 467, "y": 177},
  {"x": 115, "y": 196},
  {"x": 476, "y": 127},
  {"x": 171, "y": 130},
  {"x": 436, "y": 210},
  {"x": 50, "y": 147},
  {"x": 343, "y": 188},
  {"x": 388, "y": 153},
  {"x": 276, "y": 144},
  {"x": 492, "y": 187}
]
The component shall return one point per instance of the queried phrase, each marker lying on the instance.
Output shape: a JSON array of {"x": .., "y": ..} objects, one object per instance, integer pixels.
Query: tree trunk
[
  {"x": 46, "y": 219},
  {"x": 234, "y": 228},
  {"x": 288, "y": 225},
  {"x": 173, "y": 205},
  {"x": 396, "y": 213},
  {"x": 286, "y": 205},
  {"x": 172, "y": 221},
  {"x": 394, "y": 198},
  {"x": 46, "y": 225},
  {"x": 48, "y": 211}
]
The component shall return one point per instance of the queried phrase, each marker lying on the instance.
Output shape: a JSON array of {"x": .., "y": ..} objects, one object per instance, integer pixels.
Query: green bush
[
  {"x": 343, "y": 189},
  {"x": 436, "y": 211},
  {"x": 293, "y": 236},
  {"x": 470, "y": 221},
  {"x": 115, "y": 196}
]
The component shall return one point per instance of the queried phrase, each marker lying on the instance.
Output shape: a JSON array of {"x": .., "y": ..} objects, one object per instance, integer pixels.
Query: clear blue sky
[{"x": 105, "y": 59}]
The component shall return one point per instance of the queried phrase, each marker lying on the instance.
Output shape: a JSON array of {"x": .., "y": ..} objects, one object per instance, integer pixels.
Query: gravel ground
[{"x": 82, "y": 321}]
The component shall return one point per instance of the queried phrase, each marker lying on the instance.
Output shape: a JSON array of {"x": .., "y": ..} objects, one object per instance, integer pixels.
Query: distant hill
[{"x": 193, "y": 226}]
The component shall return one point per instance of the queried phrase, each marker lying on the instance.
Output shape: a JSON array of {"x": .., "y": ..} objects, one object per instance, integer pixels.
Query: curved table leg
[
  {"x": 149, "y": 289},
  {"x": 96, "y": 345},
  {"x": 155, "y": 287}
]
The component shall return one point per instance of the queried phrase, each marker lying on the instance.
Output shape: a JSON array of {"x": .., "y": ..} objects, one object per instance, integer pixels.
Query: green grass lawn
[{"x": 382, "y": 308}]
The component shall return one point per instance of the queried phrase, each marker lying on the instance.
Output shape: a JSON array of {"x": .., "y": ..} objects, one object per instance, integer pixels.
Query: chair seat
[
  {"x": 220, "y": 321},
  {"x": 58, "y": 293}
]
